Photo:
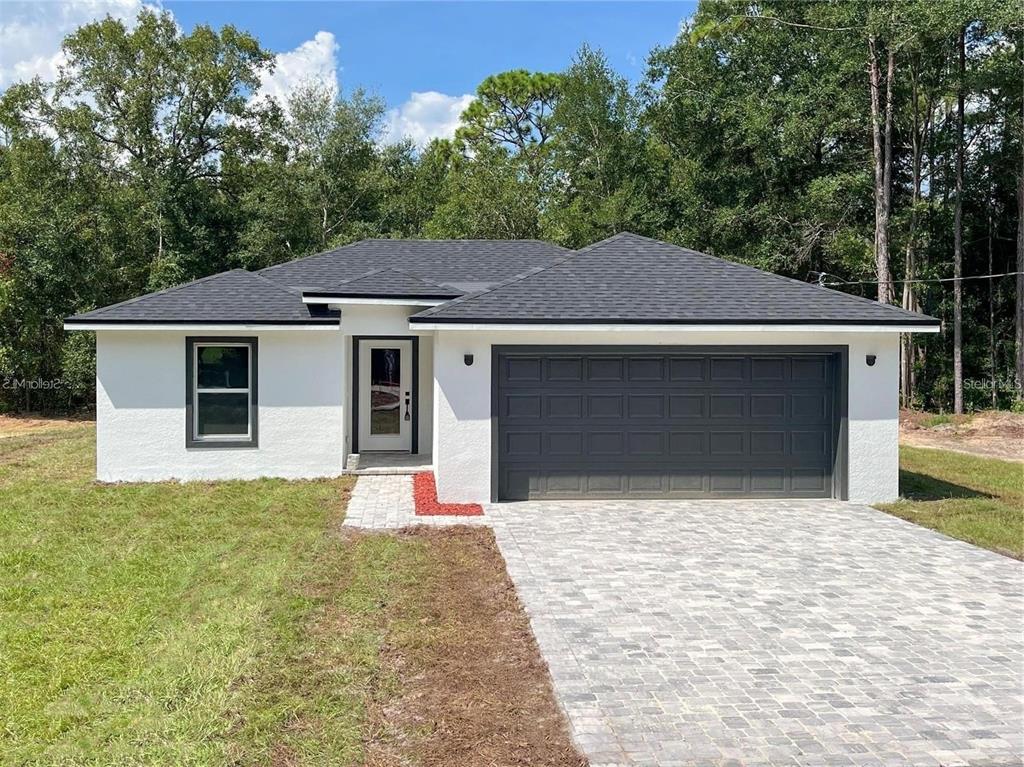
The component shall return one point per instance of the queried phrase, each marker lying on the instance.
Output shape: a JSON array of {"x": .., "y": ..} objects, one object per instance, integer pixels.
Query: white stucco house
[{"x": 516, "y": 369}]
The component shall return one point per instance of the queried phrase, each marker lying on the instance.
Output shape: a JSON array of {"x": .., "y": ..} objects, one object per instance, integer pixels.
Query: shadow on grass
[{"x": 921, "y": 487}]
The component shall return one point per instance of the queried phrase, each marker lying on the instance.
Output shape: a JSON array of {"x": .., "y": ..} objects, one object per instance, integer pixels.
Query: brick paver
[
  {"x": 767, "y": 632},
  {"x": 384, "y": 502}
]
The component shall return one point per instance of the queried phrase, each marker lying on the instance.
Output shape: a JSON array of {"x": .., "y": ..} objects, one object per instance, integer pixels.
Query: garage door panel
[
  {"x": 646, "y": 443},
  {"x": 687, "y": 443},
  {"x": 771, "y": 405},
  {"x": 605, "y": 405},
  {"x": 523, "y": 369},
  {"x": 646, "y": 369},
  {"x": 768, "y": 480},
  {"x": 768, "y": 443},
  {"x": 686, "y": 406},
  {"x": 563, "y": 405},
  {"x": 727, "y": 406},
  {"x": 565, "y": 443},
  {"x": 665, "y": 424},
  {"x": 728, "y": 369},
  {"x": 525, "y": 406},
  {"x": 768, "y": 369},
  {"x": 688, "y": 369},
  {"x": 605, "y": 369}
]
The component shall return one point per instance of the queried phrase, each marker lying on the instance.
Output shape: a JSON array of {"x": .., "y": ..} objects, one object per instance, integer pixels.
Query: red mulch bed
[{"x": 424, "y": 492}]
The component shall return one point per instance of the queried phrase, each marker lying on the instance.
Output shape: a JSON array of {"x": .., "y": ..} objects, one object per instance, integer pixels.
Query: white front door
[{"x": 385, "y": 395}]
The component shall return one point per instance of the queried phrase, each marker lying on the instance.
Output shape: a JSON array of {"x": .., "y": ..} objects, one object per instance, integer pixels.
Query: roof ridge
[
  {"x": 502, "y": 284},
  {"x": 290, "y": 291},
  {"x": 424, "y": 280},
  {"x": 461, "y": 239},
  {"x": 340, "y": 248},
  {"x": 164, "y": 291},
  {"x": 520, "y": 277},
  {"x": 272, "y": 267},
  {"x": 410, "y": 275}
]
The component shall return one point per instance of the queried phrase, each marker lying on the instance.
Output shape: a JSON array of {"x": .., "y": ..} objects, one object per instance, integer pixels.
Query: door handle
[{"x": 407, "y": 416}]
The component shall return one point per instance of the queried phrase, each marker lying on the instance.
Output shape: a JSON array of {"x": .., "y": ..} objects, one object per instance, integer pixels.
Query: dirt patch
[
  {"x": 994, "y": 434},
  {"x": 17, "y": 425},
  {"x": 478, "y": 691}
]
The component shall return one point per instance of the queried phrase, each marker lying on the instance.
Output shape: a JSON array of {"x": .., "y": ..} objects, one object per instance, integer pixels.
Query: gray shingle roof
[
  {"x": 457, "y": 263},
  {"x": 236, "y": 297},
  {"x": 626, "y": 279},
  {"x": 387, "y": 283},
  {"x": 630, "y": 279}
]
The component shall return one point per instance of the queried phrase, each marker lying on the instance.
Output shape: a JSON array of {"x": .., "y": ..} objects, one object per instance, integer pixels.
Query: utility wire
[{"x": 820, "y": 279}]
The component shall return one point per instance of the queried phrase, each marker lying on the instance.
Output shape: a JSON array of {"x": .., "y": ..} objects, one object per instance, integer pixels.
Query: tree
[
  {"x": 317, "y": 186},
  {"x": 599, "y": 157},
  {"x": 958, "y": 233},
  {"x": 512, "y": 109}
]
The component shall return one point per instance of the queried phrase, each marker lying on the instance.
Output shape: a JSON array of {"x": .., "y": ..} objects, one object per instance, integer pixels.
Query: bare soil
[
  {"x": 478, "y": 692},
  {"x": 18, "y": 425},
  {"x": 993, "y": 434}
]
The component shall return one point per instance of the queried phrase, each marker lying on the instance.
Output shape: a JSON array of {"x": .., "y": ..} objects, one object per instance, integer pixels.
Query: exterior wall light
[
  {"x": 870, "y": 359},
  {"x": 467, "y": 358}
]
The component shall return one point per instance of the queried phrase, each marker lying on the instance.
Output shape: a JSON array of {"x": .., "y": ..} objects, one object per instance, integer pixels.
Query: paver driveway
[{"x": 699, "y": 633}]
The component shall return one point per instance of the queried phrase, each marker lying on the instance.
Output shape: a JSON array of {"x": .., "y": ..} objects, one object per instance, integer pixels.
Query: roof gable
[{"x": 630, "y": 279}]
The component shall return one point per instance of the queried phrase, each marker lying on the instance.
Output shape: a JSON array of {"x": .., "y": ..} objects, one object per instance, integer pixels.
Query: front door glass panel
[{"x": 385, "y": 391}]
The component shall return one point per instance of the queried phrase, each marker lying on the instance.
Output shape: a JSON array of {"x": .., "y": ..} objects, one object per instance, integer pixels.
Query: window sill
[{"x": 218, "y": 444}]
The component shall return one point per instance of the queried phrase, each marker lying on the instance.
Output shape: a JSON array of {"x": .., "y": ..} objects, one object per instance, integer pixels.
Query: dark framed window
[{"x": 221, "y": 394}]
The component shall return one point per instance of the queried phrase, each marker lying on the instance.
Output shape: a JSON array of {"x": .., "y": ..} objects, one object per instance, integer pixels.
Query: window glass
[
  {"x": 220, "y": 415},
  {"x": 222, "y": 393},
  {"x": 222, "y": 367},
  {"x": 385, "y": 391}
]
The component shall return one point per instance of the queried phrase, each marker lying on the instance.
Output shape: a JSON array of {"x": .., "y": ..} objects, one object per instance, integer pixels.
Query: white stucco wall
[
  {"x": 140, "y": 408},
  {"x": 462, "y": 400},
  {"x": 304, "y": 390}
]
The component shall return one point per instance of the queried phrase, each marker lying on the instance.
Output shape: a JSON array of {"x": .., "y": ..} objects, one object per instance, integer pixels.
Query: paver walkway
[{"x": 765, "y": 633}]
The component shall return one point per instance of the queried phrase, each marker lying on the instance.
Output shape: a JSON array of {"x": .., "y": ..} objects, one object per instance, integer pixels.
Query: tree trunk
[
  {"x": 1020, "y": 279},
  {"x": 881, "y": 235},
  {"x": 993, "y": 373},
  {"x": 918, "y": 139},
  {"x": 958, "y": 254},
  {"x": 882, "y": 154}
]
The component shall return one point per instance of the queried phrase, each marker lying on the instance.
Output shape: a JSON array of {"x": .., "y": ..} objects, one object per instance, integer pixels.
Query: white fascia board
[
  {"x": 191, "y": 327},
  {"x": 680, "y": 328},
  {"x": 338, "y": 301}
]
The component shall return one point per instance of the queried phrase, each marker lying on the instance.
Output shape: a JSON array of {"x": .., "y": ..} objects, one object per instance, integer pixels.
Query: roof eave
[
  {"x": 429, "y": 322},
  {"x": 85, "y": 323}
]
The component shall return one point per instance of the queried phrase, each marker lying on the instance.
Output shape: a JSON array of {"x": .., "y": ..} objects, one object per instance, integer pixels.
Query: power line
[{"x": 820, "y": 279}]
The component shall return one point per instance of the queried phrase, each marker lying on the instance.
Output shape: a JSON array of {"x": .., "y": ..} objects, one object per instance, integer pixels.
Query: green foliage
[
  {"x": 512, "y": 109},
  {"x": 148, "y": 163}
]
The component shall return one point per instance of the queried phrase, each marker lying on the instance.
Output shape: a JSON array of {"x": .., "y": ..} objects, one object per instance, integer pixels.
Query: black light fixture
[
  {"x": 467, "y": 358},
  {"x": 870, "y": 359}
]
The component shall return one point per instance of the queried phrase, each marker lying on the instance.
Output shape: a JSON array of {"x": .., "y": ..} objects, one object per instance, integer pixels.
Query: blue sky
[
  {"x": 423, "y": 58},
  {"x": 398, "y": 48}
]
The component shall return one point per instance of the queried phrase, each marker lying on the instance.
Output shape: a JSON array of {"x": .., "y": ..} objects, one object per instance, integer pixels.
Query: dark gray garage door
[{"x": 664, "y": 423}]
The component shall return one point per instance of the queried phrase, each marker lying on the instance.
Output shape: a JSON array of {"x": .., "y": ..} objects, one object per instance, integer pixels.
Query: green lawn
[
  {"x": 190, "y": 624},
  {"x": 979, "y": 500}
]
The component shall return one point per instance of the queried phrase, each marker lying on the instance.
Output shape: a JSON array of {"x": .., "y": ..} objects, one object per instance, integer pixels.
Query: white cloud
[
  {"x": 31, "y": 33},
  {"x": 426, "y": 115},
  {"x": 315, "y": 61}
]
